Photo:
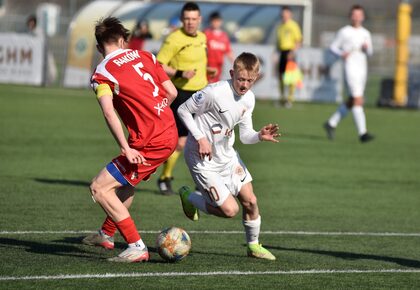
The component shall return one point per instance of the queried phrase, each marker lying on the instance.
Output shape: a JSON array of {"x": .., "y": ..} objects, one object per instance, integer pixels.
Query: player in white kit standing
[
  {"x": 353, "y": 43},
  {"x": 215, "y": 166}
]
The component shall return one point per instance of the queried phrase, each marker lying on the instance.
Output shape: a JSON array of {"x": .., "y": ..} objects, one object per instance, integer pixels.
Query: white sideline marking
[
  {"x": 225, "y": 273},
  {"x": 308, "y": 233}
]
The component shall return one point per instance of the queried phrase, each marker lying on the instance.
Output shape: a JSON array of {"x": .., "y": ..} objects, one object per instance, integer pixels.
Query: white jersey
[
  {"x": 350, "y": 40},
  {"x": 217, "y": 109}
]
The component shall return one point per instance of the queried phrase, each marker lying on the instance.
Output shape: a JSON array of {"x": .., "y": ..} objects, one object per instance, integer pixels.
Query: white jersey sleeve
[
  {"x": 336, "y": 45},
  {"x": 247, "y": 134},
  {"x": 197, "y": 104}
]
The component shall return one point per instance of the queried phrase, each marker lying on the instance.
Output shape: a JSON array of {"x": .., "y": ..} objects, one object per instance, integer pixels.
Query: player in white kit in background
[
  {"x": 353, "y": 43},
  {"x": 215, "y": 166}
]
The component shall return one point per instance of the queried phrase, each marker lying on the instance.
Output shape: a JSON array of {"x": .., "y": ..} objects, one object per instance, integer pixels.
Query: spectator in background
[
  {"x": 32, "y": 28},
  {"x": 353, "y": 43},
  {"x": 289, "y": 38},
  {"x": 139, "y": 35},
  {"x": 51, "y": 67},
  {"x": 218, "y": 45}
]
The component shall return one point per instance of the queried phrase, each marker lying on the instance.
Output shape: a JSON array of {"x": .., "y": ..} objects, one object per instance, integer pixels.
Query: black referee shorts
[{"x": 179, "y": 100}]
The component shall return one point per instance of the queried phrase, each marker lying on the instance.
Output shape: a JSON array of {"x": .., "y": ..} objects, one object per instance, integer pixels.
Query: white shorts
[{"x": 217, "y": 186}]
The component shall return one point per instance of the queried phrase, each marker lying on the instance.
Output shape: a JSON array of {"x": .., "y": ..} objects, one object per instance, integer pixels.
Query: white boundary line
[
  {"x": 307, "y": 233},
  {"x": 189, "y": 274}
]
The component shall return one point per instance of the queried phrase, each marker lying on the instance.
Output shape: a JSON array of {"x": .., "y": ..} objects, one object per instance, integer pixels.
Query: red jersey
[
  {"x": 218, "y": 45},
  {"x": 135, "y": 78}
]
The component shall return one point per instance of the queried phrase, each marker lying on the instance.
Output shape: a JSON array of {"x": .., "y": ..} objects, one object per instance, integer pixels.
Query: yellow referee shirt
[
  {"x": 288, "y": 34},
  {"x": 184, "y": 52}
]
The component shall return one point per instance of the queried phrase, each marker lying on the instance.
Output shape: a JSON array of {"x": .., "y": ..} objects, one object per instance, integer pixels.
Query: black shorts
[
  {"x": 179, "y": 100},
  {"x": 284, "y": 55}
]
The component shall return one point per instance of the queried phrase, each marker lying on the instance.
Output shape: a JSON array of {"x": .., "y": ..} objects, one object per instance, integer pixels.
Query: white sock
[
  {"x": 252, "y": 230},
  {"x": 139, "y": 244},
  {"x": 197, "y": 199},
  {"x": 359, "y": 119},
  {"x": 338, "y": 115}
]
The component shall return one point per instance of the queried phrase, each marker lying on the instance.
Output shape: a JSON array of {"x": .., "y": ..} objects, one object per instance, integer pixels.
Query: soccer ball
[{"x": 173, "y": 244}]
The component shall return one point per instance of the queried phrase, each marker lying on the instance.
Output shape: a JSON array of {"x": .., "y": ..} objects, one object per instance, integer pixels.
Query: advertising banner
[{"x": 22, "y": 59}]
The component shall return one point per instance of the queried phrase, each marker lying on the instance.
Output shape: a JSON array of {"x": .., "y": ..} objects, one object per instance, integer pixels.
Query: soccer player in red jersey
[
  {"x": 218, "y": 45},
  {"x": 134, "y": 85}
]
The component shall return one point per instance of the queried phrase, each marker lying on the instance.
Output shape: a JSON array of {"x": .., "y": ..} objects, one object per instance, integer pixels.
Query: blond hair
[{"x": 247, "y": 61}]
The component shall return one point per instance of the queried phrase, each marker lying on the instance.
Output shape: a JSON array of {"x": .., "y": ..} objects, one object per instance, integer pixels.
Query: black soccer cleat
[
  {"x": 330, "y": 131},
  {"x": 366, "y": 138},
  {"x": 165, "y": 186}
]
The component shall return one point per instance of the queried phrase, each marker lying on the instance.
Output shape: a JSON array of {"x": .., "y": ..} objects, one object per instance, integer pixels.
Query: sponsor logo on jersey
[
  {"x": 161, "y": 106},
  {"x": 216, "y": 129},
  {"x": 222, "y": 111},
  {"x": 198, "y": 97},
  {"x": 129, "y": 56}
]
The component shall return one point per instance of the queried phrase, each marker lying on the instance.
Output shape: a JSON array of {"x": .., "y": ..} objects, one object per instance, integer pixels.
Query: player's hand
[
  {"x": 134, "y": 157},
  {"x": 188, "y": 74},
  {"x": 364, "y": 47},
  {"x": 212, "y": 71},
  {"x": 204, "y": 148},
  {"x": 270, "y": 133},
  {"x": 345, "y": 55}
]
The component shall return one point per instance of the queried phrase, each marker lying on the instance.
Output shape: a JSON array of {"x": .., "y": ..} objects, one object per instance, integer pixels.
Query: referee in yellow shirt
[
  {"x": 183, "y": 56},
  {"x": 289, "y": 38}
]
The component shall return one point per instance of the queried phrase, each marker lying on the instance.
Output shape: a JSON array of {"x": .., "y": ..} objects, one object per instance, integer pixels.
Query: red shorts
[{"x": 156, "y": 152}]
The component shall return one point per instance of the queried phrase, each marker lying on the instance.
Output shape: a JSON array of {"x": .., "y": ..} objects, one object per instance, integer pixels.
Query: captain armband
[{"x": 103, "y": 90}]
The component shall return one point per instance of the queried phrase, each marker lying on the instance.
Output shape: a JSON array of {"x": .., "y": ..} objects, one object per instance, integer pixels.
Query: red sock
[
  {"x": 109, "y": 227},
  {"x": 128, "y": 230}
]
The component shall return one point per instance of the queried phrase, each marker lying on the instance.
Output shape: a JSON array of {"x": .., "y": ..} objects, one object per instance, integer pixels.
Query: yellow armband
[{"x": 102, "y": 90}]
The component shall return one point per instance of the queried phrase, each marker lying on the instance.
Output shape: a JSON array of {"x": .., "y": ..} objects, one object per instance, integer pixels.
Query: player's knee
[
  {"x": 96, "y": 191},
  {"x": 231, "y": 211},
  {"x": 250, "y": 203}
]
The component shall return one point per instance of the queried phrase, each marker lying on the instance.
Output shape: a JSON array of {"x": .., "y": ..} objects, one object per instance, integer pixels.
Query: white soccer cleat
[
  {"x": 100, "y": 240},
  {"x": 131, "y": 255}
]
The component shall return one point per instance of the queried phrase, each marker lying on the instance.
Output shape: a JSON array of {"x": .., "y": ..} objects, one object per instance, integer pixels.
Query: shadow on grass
[
  {"x": 46, "y": 248},
  {"x": 353, "y": 256},
  {"x": 85, "y": 184},
  {"x": 63, "y": 182}
]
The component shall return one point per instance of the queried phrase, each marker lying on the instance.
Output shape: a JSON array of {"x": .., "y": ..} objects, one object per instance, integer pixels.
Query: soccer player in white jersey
[
  {"x": 353, "y": 43},
  {"x": 215, "y": 166}
]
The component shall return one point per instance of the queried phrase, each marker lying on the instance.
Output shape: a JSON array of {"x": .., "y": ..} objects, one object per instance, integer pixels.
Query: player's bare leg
[
  {"x": 252, "y": 223},
  {"x": 105, "y": 236},
  {"x": 103, "y": 189}
]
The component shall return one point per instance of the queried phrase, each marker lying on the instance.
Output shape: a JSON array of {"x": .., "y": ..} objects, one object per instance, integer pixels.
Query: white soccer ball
[{"x": 173, "y": 244}]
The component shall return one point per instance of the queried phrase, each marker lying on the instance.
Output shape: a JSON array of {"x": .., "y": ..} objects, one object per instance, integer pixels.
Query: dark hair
[
  {"x": 190, "y": 6},
  {"x": 215, "y": 15},
  {"x": 31, "y": 18},
  {"x": 285, "y": 7},
  {"x": 357, "y": 7},
  {"x": 109, "y": 30}
]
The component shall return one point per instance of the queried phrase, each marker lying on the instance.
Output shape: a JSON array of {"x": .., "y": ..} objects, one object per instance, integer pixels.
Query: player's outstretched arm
[
  {"x": 269, "y": 133},
  {"x": 114, "y": 125}
]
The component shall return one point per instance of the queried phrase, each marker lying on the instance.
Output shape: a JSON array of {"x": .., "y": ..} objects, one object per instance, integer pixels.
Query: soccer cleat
[
  {"x": 165, "y": 186},
  {"x": 189, "y": 209},
  {"x": 366, "y": 138},
  {"x": 100, "y": 240},
  {"x": 131, "y": 255},
  {"x": 330, "y": 131},
  {"x": 258, "y": 251}
]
